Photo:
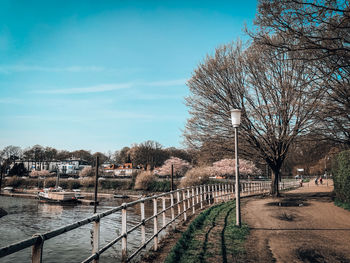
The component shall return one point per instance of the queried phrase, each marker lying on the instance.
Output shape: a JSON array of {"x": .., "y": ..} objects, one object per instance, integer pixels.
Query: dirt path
[{"x": 302, "y": 226}]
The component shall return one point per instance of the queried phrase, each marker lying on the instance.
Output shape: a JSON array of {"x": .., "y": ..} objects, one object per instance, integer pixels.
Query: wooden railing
[{"x": 181, "y": 202}]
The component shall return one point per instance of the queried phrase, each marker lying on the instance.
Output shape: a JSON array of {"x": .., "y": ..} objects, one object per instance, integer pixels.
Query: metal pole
[
  {"x": 238, "y": 201},
  {"x": 96, "y": 184}
]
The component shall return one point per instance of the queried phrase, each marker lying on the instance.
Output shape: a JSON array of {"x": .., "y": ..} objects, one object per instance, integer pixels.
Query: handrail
[{"x": 187, "y": 199}]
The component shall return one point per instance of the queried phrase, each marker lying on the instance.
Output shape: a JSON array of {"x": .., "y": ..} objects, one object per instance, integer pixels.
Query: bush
[
  {"x": 42, "y": 173},
  {"x": 122, "y": 184},
  {"x": 159, "y": 186},
  {"x": 341, "y": 176},
  {"x": 74, "y": 184},
  {"x": 87, "y": 172},
  {"x": 88, "y": 182},
  {"x": 51, "y": 182},
  {"x": 14, "y": 181},
  {"x": 196, "y": 176},
  {"x": 144, "y": 180}
]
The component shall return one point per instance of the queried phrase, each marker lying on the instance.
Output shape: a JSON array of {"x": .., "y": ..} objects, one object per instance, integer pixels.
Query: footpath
[{"x": 302, "y": 225}]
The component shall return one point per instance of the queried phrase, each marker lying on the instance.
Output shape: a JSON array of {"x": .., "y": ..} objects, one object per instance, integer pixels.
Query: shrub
[
  {"x": 341, "y": 176},
  {"x": 14, "y": 181},
  {"x": 50, "y": 182},
  {"x": 144, "y": 180},
  {"x": 159, "y": 186},
  {"x": 196, "y": 176},
  {"x": 88, "y": 182},
  {"x": 87, "y": 172},
  {"x": 122, "y": 184},
  {"x": 74, "y": 184},
  {"x": 43, "y": 173}
]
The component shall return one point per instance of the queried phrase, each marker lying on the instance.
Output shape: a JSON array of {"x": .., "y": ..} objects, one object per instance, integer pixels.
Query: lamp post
[
  {"x": 325, "y": 169},
  {"x": 236, "y": 121}
]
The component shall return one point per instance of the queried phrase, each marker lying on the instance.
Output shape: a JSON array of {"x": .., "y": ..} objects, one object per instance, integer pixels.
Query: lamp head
[{"x": 235, "y": 117}]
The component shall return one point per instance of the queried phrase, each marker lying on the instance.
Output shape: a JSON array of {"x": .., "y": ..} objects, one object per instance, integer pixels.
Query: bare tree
[
  {"x": 150, "y": 154},
  {"x": 123, "y": 156},
  {"x": 319, "y": 28},
  {"x": 11, "y": 152},
  {"x": 317, "y": 31},
  {"x": 277, "y": 94}
]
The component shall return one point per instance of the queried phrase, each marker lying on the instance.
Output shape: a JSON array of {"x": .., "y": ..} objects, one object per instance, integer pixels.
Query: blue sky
[{"x": 100, "y": 75}]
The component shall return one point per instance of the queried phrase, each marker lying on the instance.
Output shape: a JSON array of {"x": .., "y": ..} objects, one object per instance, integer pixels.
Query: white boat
[
  {"x": 56, "y": 195},
  {"x": 78, "y": 194}
]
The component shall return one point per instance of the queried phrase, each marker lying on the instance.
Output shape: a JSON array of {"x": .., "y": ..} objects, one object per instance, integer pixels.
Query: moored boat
[
  {"x": 78, "y": 194},
  {"x": 56, "y": 195}
]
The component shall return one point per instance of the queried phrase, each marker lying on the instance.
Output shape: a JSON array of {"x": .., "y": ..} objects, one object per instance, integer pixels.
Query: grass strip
[
  {"x": 183, "y": 243},
  {"x": 213, "y": 224},
  {"x": 193, "y": 244}
]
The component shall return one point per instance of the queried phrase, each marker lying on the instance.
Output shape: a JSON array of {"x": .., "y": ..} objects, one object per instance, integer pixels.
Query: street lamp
[
  {"x": 325, "y": 168},
  {"x": 236, "y": 121}
]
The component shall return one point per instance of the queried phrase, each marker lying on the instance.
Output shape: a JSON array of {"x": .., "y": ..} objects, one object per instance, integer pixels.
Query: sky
[{"x": 101, "y": 75}]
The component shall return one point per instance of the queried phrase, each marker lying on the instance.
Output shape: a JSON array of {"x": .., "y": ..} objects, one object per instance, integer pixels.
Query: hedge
[{"x": 341, "y": 176}]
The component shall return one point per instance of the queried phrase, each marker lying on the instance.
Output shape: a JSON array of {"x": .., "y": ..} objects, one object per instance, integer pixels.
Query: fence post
[
  {"x": 221, "y": 190},
  {"x": 188, "y": 199},
  {"x": 164, "y": 207},
  {"x": 197, "y": 197},
  {"x": 143, "y": 227},
  {"x": 96, "y": 238},
  {"x": 184, "y": 204},
  {"x": 172, "y": 210},
  {"x": 193, "y": 204},
  {"x": 201, "y": 196},
  {"x": 223, "y": 193},
  {"x": 178, "y": 203},
  {"x": 215, "y": 193},
  {"x": 125, "y": 235},
  {"x": 37, "y": 249},
  {"x": 155, "y": 224},
  {"x": 208, "y": 194}
]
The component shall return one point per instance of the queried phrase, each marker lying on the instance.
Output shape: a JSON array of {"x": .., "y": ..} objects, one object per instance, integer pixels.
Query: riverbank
[{"x": 291, "y": 228}]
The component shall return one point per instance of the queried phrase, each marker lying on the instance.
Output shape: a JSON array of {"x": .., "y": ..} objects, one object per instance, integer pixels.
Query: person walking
[
  {"x": 321, "y": 181},
  {"x": 316, "y": 181}
]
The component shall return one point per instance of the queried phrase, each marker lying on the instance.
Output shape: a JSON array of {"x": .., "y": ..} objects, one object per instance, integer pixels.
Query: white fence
[{"x": 177, "y": 204}]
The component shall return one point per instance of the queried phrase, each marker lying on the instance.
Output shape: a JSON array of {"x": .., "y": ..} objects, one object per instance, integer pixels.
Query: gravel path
[{"x": 302, "y": 226}]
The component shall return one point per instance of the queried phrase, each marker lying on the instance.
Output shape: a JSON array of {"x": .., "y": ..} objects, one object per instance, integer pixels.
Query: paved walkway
[{"x": 302, "y": 226}]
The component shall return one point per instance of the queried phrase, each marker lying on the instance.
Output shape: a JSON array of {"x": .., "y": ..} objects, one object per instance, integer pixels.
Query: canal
[{"x": 27, "y": 217}]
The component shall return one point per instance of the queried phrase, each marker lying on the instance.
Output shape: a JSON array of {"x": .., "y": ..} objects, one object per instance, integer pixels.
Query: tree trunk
[{"x": 274, "y": 183}]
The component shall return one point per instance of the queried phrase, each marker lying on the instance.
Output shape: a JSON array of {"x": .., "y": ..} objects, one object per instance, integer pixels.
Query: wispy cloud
[
  {"x": 165, "y": 83},
  {"x": 117, "y": 86},
  {"x": 27, "y": 68},
  {"x": 90, "y": 89}
]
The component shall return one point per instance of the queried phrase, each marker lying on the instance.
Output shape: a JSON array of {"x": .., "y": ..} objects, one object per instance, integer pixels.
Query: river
[{"x": 27, "y": 217}]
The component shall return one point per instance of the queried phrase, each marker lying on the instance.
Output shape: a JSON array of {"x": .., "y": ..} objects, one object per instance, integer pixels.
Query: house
[
  {"x": 124, "y": 170},
  {"x": 69, "y": 166},
  {"x": 72, "y": 166}
]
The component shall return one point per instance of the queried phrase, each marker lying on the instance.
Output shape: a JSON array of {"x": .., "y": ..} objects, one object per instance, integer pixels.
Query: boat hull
[{"x": 57, "y": 197}]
